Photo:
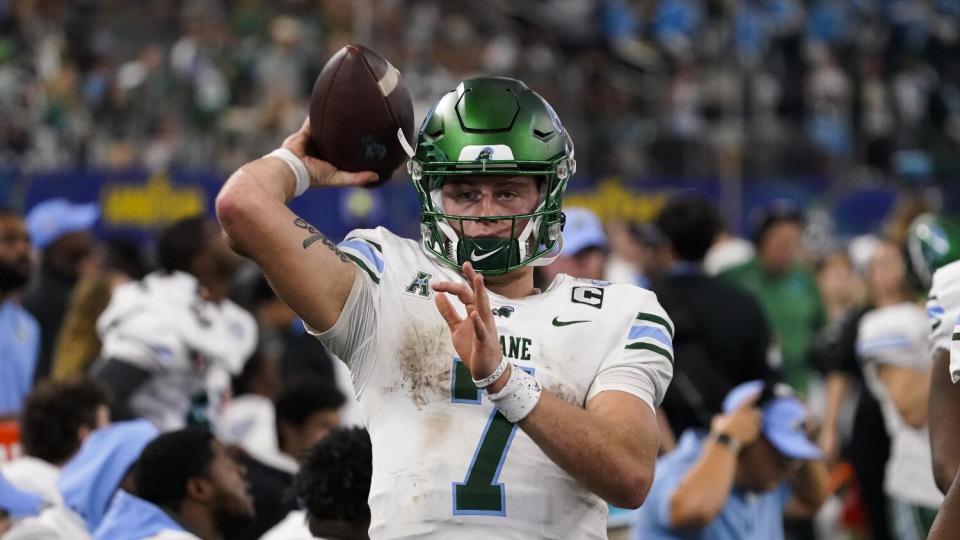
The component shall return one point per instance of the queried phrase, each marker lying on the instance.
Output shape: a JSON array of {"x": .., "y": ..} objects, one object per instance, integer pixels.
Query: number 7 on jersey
[{"x": 480, "y": 493}]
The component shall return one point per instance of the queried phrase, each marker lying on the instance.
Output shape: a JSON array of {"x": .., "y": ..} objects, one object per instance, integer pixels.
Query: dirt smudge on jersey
[
  {"x": 425, "y": 359},
  {"x": 437, "y": 430},
  {"x": 564, "y": 392},
  {"x": 554, "y": 361}
]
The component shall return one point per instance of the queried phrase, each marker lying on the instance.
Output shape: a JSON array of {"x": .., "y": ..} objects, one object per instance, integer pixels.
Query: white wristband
[
  {"x": 518, "y": 397},
  {"x": 489, "y": 379},
  {"x": 296, "y": 165}
]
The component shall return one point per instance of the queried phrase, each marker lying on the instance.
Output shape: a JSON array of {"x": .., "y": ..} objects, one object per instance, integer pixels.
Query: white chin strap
[
  {"x": 445, "y": 228},
  {"x": 550, "y": 256},
  {"x": 557, "y": 249}
]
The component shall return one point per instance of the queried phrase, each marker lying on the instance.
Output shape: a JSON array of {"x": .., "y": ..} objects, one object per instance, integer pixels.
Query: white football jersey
[
  {"x": 943, "y": 309},
  {"x": 191, "y": 346},
  {"x": 446, "y": 464}
]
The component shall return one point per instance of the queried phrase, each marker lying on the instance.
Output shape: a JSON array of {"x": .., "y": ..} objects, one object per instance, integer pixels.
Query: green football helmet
[
  {"x": 933, "y": 241},
  {"x": 492, "y": 126}
]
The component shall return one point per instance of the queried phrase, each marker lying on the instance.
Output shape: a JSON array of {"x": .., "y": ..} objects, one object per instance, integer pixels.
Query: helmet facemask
[
  {"x": 539, "y": 240},
  {"x": 535, "y": 243}
]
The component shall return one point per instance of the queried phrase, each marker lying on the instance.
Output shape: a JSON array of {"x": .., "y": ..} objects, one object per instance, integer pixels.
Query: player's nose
[{"x": 487, "y": 207}]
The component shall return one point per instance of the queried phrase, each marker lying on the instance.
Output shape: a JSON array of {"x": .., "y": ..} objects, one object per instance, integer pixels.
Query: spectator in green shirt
[{"x": 785, "y": 289}]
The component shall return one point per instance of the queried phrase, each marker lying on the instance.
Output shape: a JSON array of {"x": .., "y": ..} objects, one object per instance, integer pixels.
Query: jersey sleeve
[
  {"x": 365, "y": 248},
  {"x": 894, "y": 337},
  {"x": 642, "y": 364},
  {"x": 940, "y": 328},
  {"x": 943, "y": 306},
  {"x": 955, "y": 353},
  {"x": 351, "y": 338}
]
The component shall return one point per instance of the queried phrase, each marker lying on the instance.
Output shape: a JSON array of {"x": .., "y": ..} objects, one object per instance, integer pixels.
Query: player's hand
[
  {"x": 323, "y": 173},
  {"x": 742, "y": 423},
  {"x": 475, "y": 336}
]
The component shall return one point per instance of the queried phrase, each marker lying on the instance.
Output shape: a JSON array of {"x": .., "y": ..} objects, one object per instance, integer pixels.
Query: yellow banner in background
[
  {"x": 612, "y": 200},
  {"x": 150, "y": 205}
]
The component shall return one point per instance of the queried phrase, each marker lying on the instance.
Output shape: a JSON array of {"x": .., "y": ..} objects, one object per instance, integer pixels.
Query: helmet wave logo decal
[
  {"x": 486, "y": 152},
  {"x": 479, "y": 257}
]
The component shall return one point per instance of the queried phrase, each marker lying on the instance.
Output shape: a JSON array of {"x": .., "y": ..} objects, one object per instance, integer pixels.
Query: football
[{"x": 357, "y": 106}]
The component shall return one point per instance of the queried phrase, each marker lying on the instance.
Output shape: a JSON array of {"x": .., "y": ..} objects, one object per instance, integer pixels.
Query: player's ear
[{"x": 199, "y": 489}]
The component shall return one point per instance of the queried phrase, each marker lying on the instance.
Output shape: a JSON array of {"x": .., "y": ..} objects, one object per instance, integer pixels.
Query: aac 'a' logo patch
[
  {"x": 420, "y": 285},
  {"x": 591, "y": 296}
]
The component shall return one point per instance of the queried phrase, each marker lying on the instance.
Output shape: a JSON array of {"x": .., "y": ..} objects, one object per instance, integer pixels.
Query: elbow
[
  {"x": 230, "y": 208},
  {"x": 944, "y": 471},
  {"x": 632, "y": 490},
  {"x": 687, "y": 514},
  {"x": 944, "y": 454},
  {"x": 234, "y": 211}
]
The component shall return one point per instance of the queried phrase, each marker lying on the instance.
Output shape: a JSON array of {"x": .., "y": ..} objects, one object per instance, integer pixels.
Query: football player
[
  {"x": 494, "y": 409},
  {"x": 934, "y": 247}
]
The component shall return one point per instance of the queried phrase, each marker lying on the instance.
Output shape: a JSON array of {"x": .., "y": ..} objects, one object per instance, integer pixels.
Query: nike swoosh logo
[
  {"x": 474, "y": 257},
  {"x": 557, "y": 322}
]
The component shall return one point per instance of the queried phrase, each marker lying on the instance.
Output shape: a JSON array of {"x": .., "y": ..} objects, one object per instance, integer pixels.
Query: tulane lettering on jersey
[
  {"x": 515, "y": 347},
  {"x": 446, "y": 463}
]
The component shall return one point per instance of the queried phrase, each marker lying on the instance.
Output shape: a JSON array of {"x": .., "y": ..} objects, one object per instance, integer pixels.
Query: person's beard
[
  {"x": 13, "y": 276},
  {"x": 231, "y": 518}
]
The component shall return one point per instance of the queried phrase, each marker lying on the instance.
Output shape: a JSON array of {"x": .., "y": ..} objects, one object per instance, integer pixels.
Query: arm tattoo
[{"x": 315, "y": 236}]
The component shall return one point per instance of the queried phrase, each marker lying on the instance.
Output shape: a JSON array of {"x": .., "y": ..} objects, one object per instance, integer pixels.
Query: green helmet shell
[
  {"x": 933, "y": 241},
  {"x": 492, "y": 126}
]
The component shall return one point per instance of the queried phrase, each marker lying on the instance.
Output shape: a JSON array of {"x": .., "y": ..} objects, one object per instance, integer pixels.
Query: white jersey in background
[
  {"x": 33, "y": 475},
  {"x": 446, "y": 464},
  {"x": 943, "y": 308},
  {"x": 189, "y": 345},
  {"x": 897, "y": 336}
]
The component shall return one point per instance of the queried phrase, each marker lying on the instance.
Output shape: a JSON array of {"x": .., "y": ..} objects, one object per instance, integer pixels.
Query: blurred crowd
[
  {"x": 854, "y": 90},
  {"x": 104, "y": 345},
  {"x": 214, "y": 389},
  {"x": 843, "y": 329},
  {"x": 823, "y": 355}
]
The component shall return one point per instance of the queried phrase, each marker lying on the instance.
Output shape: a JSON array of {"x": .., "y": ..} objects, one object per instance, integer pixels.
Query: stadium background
[
  {"x": 847, "y": 107},
  {"x": 840, "y": 105}
]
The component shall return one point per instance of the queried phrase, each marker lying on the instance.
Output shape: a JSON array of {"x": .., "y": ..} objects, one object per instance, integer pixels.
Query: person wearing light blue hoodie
[
  {"x": 188, "y": 487},
  {"x": 88, "y": 482},
  {"x": 132, "y": 518}
]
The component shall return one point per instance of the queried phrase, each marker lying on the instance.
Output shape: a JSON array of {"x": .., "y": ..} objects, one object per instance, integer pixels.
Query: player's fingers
[
  {"x": 476, "y": 286},
  {"x": 461, "y": 291},
  {"x": 478, "y": 327},
  {"x": 446, "y": 310},
  {"x": 483, "y": 299},
  {"x": 468, "y": 271}
]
